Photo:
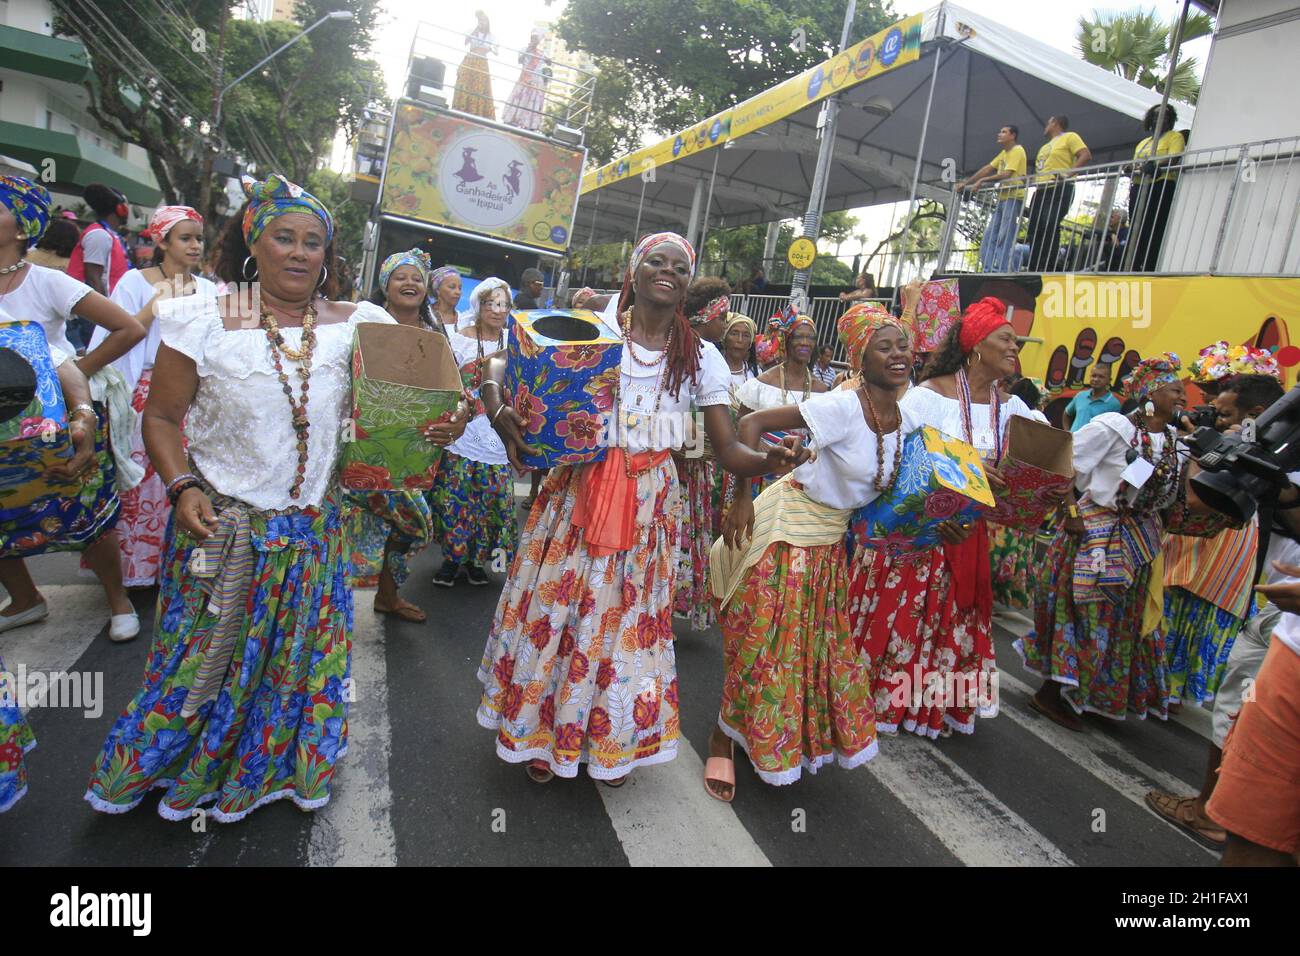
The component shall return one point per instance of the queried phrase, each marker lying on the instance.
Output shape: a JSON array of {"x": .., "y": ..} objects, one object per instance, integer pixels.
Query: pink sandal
[{"x": 721, "y": 770}]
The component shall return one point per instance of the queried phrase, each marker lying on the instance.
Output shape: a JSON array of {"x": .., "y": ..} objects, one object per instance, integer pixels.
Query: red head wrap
[{"x": 981, "y": 320}]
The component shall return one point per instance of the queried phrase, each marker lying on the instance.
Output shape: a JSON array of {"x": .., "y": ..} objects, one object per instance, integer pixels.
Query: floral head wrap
[
  {"x": 1151, "y": 375},
  {"x": 859, "y": 324},
  {"x": 30, "y": 204},
  {"x": 164, "y": 217},
  {"x": 657, "y": 239},
  {"x": 411, "y": 257},
  {"x": 274, "y": 197}
]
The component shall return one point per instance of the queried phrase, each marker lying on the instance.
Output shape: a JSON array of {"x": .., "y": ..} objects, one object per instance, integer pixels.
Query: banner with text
[{"x": 460, "y": 174}]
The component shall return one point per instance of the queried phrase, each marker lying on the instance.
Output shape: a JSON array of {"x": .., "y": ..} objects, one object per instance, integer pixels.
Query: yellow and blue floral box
[
  {"x": 940, "y": 478},
  {"x": 563, "y": 366}
]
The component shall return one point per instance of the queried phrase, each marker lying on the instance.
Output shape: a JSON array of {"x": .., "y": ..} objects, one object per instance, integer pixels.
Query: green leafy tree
[
  {"x": 688, "y": 59},
  {"x": 154, "y": 67},
  {"x": 1136, "y": 44}
]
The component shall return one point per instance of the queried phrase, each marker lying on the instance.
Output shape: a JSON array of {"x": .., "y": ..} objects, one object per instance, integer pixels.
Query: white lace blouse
[
  {"x": 240, "y": 427},
  {"x": 639, "y": 389},
  {"x": 1101, "y": 455},
  {"x": 843, "y": 474},
  {"x": 927, "y": 407}
]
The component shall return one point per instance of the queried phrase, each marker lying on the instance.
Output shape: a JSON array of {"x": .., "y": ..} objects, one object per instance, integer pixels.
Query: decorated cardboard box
[
  {"x": 563, "y": 366},
  {"x": 1038, "y": 463},
  {"x": 403, "y": 379},
  {"x": 33, "y": 418},
  {"x": 940, "y": 478},
  {"x": 937, "y": 310}
]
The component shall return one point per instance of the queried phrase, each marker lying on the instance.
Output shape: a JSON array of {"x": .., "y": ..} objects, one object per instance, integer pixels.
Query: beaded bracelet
[
  {"x": 179, "y": 487},
  {"x": 179, "y": 478}
]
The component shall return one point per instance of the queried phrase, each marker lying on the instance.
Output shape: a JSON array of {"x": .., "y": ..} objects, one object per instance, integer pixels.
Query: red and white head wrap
[
  {"x": 658, "y": 239},
  {"x": 715, "y": 309},
  {"x": 981, "y": 320},
  {"x": 164, "y": 217}
]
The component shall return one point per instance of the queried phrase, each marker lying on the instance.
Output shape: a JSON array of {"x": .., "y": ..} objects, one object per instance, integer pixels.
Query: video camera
[
  {"x": 1201, "y": 416},
  {"x": 1240, "y": 471}
]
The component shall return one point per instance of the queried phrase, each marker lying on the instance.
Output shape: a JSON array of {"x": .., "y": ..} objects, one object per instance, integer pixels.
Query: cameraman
[
  {"x": 1243, "y": 397},
  {"x": 1257, "y": 798}
]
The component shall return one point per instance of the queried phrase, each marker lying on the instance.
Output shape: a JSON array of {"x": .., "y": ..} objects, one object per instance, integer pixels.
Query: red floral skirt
[{"x": 932, "y": 664}]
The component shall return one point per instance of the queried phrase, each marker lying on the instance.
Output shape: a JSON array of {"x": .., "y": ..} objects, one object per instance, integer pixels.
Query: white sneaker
[
  {"x": 37, "y": 612},
  {"x": 123, "y": 627}
]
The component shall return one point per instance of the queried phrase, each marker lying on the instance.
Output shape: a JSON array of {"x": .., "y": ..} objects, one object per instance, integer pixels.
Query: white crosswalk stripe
[
  {"x": 663, "y": 817},
  {"x": 356, "y": 827},
  {"x": 969, "y": 820},
  {"x": 78, "y": 612}
]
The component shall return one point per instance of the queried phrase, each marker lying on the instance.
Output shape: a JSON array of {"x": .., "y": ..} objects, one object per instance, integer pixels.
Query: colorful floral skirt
[
  {"x": 474, "y": 87},
  {"x": 527, "y": 104},
  {"x": 1096, "y": 648},
  {"x": 692, "y": 599},
  {"x": 34, "y": 520},
  {"x": 796, "y": 693},
  {"x": 145, "y": 509},
  {"x": 1012, "y": 555},
  {"x": 473, "y": 507},
  {"x": 1198, "y": 639},
  {"x": 278, "y": 723},
  {"x": 372, "y": 519},
  {"x": 16, "y": 739},
  {"x": 933, "y": 665},
  {"x": 579, "y": 665}
]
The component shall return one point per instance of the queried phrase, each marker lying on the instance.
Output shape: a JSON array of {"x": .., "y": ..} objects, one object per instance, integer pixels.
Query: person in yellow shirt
[
  {"x": 1162, "y": 176},
  {"x": 1063, "y": 152},
  {"x": 1000, "y": 236}
]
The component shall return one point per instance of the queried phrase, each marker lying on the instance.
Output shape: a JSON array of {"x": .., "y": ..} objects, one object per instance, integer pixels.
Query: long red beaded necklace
[{"x": 301, "y": 424}]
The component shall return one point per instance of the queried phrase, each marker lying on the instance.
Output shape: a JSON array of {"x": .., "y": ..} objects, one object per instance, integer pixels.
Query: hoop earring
[
  {"x": 324, "y": 277},
  {"x": 243, "y": 270},
  {"x": 975, "y": 358}
]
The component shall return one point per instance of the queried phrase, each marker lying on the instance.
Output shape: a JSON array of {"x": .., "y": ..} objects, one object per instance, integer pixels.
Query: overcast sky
[{"x": 1051, "y": 21}]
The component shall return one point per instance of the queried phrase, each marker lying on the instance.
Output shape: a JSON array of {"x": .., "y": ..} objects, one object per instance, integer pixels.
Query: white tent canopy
[{"x": 989, "y": 76}]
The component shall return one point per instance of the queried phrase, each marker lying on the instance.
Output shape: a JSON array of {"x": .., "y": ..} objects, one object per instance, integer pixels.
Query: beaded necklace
[
  {"x": 301, "y": 425},
  {"x": 1156, "y": 486},
  {"x": 880, "y": 442},
  {"x": 477, "y": 379},
  {"x": 629, "y": 420},
  {"x": 995, "y": 413},
  {"x": 807, "y": 388}
]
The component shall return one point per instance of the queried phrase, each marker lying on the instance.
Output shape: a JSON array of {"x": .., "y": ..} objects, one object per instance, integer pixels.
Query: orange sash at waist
[{"x": 606, "y": 503}]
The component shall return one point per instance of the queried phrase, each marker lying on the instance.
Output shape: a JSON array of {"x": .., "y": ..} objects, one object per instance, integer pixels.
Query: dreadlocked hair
[
  {"x": 683, "y": 352},
  {"x": 948, "y": 358}
]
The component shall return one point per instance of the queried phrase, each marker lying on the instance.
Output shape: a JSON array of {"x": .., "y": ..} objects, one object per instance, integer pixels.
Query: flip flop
[
  {"x": 1053, "y": 716},
  {"x": 405, "y": 611},
  {"x": 1181, "y": 812},
  {"x": 539, "y": 772},
  {"x": 721, "y": 770}
]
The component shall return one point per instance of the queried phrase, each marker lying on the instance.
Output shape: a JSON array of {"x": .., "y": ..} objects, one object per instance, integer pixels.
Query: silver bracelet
[
  {"x": 497, "y": 414},
  {"x": 83, "y": 407}
]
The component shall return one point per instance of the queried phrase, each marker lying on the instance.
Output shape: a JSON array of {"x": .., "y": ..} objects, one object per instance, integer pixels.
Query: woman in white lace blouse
[{"x": 243, "y": 698}]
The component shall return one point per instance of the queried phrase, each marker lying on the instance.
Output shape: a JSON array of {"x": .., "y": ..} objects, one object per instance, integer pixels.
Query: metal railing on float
[
  {"x": 543, "y": 90},
  {"x": 1231, "y": 210}
]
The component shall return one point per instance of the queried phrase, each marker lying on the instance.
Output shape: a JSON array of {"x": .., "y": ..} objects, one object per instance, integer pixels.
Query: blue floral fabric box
[
  {"x": 563, "y": 366},
  {"x": 38, "y": 515},
  {"x": 940, "y": 479}
]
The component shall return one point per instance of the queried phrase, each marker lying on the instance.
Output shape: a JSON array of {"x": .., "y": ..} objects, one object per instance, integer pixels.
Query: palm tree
[{"x": 1136, "y": 45}]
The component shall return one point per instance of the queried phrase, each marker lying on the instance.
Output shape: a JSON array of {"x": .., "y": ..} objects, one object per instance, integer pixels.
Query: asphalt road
[{"x": 421, "y": 784}]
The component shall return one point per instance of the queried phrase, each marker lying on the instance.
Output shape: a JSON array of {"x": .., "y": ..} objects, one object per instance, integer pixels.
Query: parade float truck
[{"x": 489, "y": 199}]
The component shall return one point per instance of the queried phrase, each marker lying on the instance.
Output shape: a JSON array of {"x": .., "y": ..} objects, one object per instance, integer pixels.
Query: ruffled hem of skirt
[
  {"x": 488, "y": 720},
  {"x": 787, "y": 777},
  {"x": 176, "y": 814}
]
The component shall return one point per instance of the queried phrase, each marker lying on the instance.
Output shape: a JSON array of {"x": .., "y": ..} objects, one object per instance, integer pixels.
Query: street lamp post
[{"x": 219, "y": 95}]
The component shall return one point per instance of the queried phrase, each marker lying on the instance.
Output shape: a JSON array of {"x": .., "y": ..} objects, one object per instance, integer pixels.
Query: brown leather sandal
[{"x": 1181, "y": 812}]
